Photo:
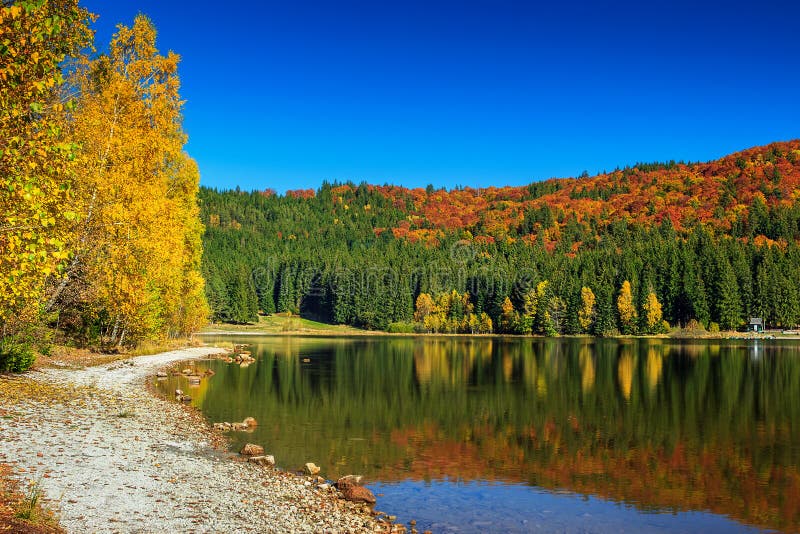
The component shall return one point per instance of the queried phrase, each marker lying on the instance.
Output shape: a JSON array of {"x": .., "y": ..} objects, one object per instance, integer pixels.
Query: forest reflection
[{"x": 660, "y": 424}]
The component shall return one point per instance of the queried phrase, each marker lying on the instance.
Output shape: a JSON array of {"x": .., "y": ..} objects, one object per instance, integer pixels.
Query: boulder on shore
[
  {"x": 354, "y": 480},
  {"x": 251, "y": 449},
  {"x": 355, "y": 493},
  {"x": 267, "y": 460}
]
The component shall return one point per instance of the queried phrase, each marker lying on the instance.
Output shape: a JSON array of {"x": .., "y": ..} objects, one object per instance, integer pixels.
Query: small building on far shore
[{"x": 756, "y": 324}]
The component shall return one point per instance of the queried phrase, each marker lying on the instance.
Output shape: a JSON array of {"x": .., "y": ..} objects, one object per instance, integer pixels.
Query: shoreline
[
  {"x": 721, "y": 336},
  {"x": 110, "y": 456}
]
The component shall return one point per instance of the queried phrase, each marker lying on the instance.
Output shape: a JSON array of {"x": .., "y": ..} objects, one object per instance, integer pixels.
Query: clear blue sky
[{"x": 287, "y": 94}]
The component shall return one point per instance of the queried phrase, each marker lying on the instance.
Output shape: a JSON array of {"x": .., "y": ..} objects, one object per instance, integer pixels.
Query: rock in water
[
  {"x": 311, "y": 468},
  {"x": 267, "y": 460},
  {"x": 252, "y": 450},
  {"x": 250, "y": 422}
]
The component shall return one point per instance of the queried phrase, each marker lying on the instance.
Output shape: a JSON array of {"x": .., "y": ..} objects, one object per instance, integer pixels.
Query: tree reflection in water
[{"x": 659, "y": 424}]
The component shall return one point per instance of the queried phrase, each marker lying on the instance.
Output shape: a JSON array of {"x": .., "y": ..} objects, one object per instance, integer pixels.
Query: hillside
[
  {"x": 719, "y": 193},
  {"x": 715, "y": 242}
]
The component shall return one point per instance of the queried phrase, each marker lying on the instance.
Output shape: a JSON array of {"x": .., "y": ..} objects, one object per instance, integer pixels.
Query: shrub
[
  {"x": 15, "y": 356},
  {"x": 694, "y": 326},
  {"x": 609, "y": 332},
  {"x": 401, "y": 327}
]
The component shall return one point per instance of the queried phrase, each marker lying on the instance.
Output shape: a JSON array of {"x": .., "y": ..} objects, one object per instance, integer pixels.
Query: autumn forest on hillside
[{"x": 640, "y": 250}]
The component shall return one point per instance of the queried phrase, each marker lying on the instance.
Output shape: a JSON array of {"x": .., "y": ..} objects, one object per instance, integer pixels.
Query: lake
[{"x": 518, "y": 435}]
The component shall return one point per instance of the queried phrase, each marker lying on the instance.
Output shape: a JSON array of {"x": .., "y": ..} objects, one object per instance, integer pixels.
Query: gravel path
[{"x": 114, "y": 458}]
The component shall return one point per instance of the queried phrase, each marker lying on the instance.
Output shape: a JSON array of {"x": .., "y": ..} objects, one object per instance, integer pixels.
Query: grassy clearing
[{"x": 285, "y": 324}]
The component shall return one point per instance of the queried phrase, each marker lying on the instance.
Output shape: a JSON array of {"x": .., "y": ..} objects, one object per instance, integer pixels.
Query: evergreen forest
[{"x": 639, "y": 250}]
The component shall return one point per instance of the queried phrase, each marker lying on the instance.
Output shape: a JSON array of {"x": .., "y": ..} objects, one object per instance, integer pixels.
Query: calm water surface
[{"x": 575, "y": 435}]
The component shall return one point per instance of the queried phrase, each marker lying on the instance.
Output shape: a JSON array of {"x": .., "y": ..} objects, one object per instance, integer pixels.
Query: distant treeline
[{"x": 335, "y": 255}]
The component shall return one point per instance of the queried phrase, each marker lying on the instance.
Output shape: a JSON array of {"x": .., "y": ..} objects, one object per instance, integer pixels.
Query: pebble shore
[{"x": 111, "y": 457}]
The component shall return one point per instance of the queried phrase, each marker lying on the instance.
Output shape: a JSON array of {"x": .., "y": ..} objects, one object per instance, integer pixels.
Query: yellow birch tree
[
  {"x": 508, "y": 316},
  {"x": 36, "y": 158},
  {"x": 587, "y": 311},
  {"x": 424, "y": 307},
  {"x": 626, "y": 308},
  {"x": 652, "y": 313},
  {"x": 137, "y": 246}
]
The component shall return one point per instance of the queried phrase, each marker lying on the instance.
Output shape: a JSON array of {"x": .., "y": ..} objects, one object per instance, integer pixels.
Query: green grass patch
[{"x": 282, "y": 324}]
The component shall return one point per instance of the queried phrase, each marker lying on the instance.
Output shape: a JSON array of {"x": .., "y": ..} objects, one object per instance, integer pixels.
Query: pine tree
[
  {"x": 729, "y": 304},
  {"x": 286, "y": 291}
]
